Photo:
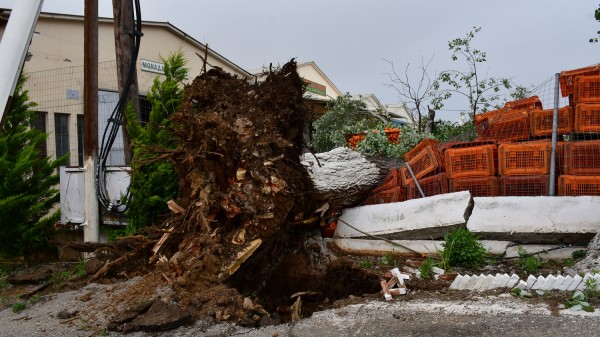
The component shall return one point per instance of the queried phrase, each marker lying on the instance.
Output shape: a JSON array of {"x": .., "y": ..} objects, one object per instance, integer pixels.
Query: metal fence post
[
  {"x": 551, "y": 183},
  {"x": 415, "y": 179}
]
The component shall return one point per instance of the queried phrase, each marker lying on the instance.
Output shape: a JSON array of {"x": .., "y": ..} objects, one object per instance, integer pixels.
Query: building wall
[{"x": 55, "y": 69}]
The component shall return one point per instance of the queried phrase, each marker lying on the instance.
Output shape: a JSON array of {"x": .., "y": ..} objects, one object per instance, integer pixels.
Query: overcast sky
[{"x": 525, "y": 40}]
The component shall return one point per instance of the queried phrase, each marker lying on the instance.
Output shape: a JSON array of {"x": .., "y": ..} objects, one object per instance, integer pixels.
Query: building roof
[
  {"x": 316, "y": 67},
  {"x": 5, "y": 14}
]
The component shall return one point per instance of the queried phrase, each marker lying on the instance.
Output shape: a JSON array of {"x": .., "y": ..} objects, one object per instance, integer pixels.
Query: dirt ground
[{"x": 148, "y": 302}]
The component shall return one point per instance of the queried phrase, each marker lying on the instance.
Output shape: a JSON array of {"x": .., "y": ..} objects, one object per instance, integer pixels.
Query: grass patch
[{"x": 18, "y": 307}]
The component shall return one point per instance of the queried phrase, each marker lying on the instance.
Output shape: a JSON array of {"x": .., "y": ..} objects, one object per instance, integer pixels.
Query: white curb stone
[
  {"x": 581, "y": 285},
  {"x": 514, "y": 279},
  {"x": 566, "y": 283},
  {"x": 480, "y": 280},
  {"x": 576, "y": 281},
  {"x": 531, "y": 281},
  {"x": 463, "y": 282},
  {"x": 504, "y": 278},
  {"x": 472, "y": 282},
  {"x": 487, "y": 283},
  {"x": 522, "y": 285},
  {"x": 559, "y": 282},
  {"x": 456, "y": 281},
  {"x": 550, "y": 279},
  {"x": 539, "y": 283}
]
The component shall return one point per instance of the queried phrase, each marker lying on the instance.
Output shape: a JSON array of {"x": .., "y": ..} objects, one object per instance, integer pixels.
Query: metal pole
[
  {"x": 91, "y": 231},
  {"x": 551, "y": 184},
  {"x": 415, "y": 179},
  {"x": 13, "y": 47}
]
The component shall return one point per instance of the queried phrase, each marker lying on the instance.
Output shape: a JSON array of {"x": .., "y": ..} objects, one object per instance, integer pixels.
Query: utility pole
[
  {"x": 124, "y": 40},
  {"x": 91, "y": 232}
]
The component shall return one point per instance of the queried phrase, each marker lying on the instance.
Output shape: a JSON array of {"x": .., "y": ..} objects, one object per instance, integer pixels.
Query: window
[
  {"x": 145, "y": 108},
  {"x": 39, "y": 123},
  {"x": 80, "y": 126},
  {"x": 61, "y": 134}
]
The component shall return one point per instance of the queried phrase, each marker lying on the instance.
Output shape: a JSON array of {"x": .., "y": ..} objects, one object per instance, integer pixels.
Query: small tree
[
  {"x": 417, "y": 94},
  {"x": 154, "y": 180},
  {"x": 481, "y": 91},
  {"x": 27, "y": 180},
  {"x": 344, "y": 115}
]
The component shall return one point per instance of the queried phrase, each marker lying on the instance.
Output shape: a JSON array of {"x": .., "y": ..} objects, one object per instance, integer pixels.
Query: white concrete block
[
  {"x": 558, "y": 283},
  {"x": 581, "y": 285},
  {"x": 597, "y": 278},
  {"x": 536, "y": 216},
  {"x": 504, "y": 278},
  {"x": 470, "y": 285},
  {"x": 479, "y": 282},
  {"x": 566, "y": 283},
  {"x": 437, "y": 270},
  {"x": 514, "y": 279},
  {"x": 575, "y": 283},
  {"x": 554, "y": 253},
  {"x": 496, "y": 281},
  {"x": 456, "y": 282},
  {"x": 522, "y": 285},
  {"x": 539, "y": 283},
  {"x": 432, "y": 212},
  {"x": 377, "y": 247},
  {"x": 531, "y": 281},
  {"x": 463, "y": 282},
  {"x": 550, "y": 279},
  {"x": 487, "y": 282}
]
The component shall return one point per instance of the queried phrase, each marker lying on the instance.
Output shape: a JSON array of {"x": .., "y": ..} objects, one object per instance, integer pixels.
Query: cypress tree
[
  {"x": 153, "y": 180},
  {"x": 28, "y": 181}
]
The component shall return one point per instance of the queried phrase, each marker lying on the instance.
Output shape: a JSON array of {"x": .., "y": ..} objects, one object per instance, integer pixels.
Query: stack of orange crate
[
  {"x": 524, "y": 168},
  {"x": 427, "y": 164},
  {"x": 581, "y": 170},
  {"x": 391, "y": 190},
  {"x": 471, "y": 166}
]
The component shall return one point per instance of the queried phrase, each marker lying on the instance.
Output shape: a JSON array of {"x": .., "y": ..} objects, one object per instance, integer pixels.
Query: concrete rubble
[{"x": 550, "y": 227}]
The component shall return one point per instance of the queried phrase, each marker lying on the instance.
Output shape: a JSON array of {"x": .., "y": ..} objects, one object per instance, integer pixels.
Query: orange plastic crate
[
  {"x": 529, "y": 103},
  {"x": 587, "y": 118},
  {"x": 434, "y": 185},
  {"x": 512, "y": 125},
  {"x": 587, "y": 89},
  {"x": 524, "y": 158},
  {"x": 475, "y": 161},
  {"x": 478, "y": 186},
  {"x": 526, "y": 186},
  {"x": 417, "y": 149},
  {"x": 391, "y": 180},
  {"x": 567, "y": 78},
  {"x": 353, "y": 139},
  {"x": 578, "y": 185},
  {"x": 541, "y": 121},
  {"x": 394, "y": 194},
  {"x": 582, "y": 158},
  {"x": 429, "y": 161},
  {"x": 481, "y": 121}
]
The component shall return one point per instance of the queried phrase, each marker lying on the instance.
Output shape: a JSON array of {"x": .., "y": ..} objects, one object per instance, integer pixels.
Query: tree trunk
[
  {"x": 430, "y": 120},
  {"x": 346, "y": 177}
]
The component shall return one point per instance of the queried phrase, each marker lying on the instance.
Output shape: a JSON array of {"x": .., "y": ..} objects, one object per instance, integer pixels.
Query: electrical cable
[{"x": 116, "y": 121}]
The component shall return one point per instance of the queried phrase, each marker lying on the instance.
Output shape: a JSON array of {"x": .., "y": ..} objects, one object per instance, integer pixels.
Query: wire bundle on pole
[{"x": 115, "y": 121}]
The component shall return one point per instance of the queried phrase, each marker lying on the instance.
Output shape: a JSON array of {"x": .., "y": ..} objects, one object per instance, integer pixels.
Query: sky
[{"x": 527, "y": 41}]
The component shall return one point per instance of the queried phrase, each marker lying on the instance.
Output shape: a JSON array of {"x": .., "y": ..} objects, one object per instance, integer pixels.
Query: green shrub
[
  {"x": 462, "y": 249},
  {"x": 527, "y": 262},
  {"x": 426, "y": 268},
  {"x": 578, "y": 254},
  {"x": 366, "y": 264},
  {"x": 18, "y": 307}
]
